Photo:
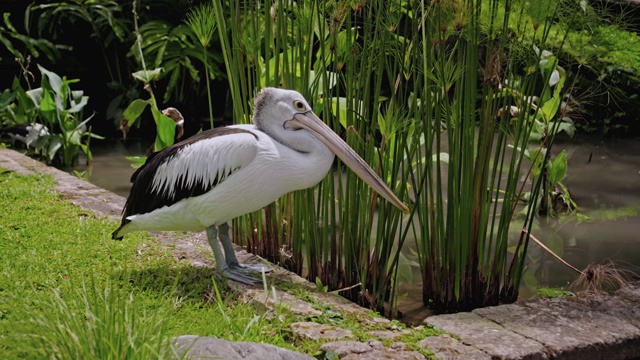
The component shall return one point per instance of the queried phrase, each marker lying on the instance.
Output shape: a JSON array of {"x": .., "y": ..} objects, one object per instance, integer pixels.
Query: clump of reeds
[
  {"x": 403, "y": 85},
  {"x": 604, "y": 277}
]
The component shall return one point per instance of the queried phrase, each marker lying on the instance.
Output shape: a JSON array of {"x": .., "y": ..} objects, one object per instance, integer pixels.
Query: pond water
[
  {"x": 603, "y": 178},
  {"x": 109, "y": 168}
]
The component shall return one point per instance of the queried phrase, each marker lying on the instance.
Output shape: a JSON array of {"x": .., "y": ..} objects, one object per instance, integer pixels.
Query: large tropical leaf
[{"x": 177, "y": 49}]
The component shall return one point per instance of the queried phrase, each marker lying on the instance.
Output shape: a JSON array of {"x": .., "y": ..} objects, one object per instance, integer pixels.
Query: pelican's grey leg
[
  {"x": 230, "y": 255},
  {"x": 221, "y": 264}
]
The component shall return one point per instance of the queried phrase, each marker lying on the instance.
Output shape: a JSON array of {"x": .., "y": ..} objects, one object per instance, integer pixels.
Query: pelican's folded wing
[{"x": 189, "y": 168}]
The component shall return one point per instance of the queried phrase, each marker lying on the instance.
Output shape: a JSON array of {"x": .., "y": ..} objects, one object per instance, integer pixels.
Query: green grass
[
  {"x": 68, "y": 291},
  {"x": 552, "y": 292},
  {"x": 51, "y": 249}
]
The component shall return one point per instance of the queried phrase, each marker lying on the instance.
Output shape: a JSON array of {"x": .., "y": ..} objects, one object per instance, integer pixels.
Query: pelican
[
  {"x": 175, "y": 115},
  {"x": 210, "y": 178},
  {"x": 169, "y": 112}
]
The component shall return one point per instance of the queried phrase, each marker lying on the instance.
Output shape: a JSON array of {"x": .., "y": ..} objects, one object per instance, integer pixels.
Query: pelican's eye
[{"x": 299, "y": 105}]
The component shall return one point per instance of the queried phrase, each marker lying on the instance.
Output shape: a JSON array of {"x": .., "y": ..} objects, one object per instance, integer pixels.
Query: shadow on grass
[{"x": 188, "y": 282}]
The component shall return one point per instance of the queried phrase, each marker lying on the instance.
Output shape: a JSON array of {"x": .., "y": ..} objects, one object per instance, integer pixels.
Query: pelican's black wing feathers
[{"x": 184, "y": 170}]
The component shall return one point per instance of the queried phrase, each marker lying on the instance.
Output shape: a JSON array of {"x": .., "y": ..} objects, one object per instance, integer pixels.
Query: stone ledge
[
  {"x": 212, "y": 348},
  {"x": 597, "y": 326}
]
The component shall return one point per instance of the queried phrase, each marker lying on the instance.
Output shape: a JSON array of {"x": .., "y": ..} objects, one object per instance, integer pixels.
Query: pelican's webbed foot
[
  {"x": 227, "y": 264},
  {"x": 249, "y": 268},
  {"x": 237, "y": 275}
]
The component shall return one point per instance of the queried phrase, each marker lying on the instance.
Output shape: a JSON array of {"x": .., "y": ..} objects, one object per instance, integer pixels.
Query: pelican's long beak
[{"x": 312, "y": 122}]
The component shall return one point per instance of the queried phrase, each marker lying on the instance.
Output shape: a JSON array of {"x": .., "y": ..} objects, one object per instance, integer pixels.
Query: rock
[
  {"x": 282, "y": 298},
  {"x": 631, "y": 292},
  {"x": 386, "y": 354},
  {"x": 378, "y": 321},
  {"x": 569, "y": 329},
  {"x": 344, "y": 348},
  {"x": 313, "y": 331},
  {"x": 500, "y": 343},
  {"x": 444, "y": 347},
  {"x": 625, "y": 306},
  {"x": 387, "y": 334},
  {"x": 208, "y": 347},
  {"x": 373, "y": 350}
]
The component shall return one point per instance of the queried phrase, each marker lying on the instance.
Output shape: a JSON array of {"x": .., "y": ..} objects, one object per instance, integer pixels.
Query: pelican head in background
[
  {"x": 177, "y": 117},
  {"x": 210, "y": 178},
  {"x": 169, "y": 112}
]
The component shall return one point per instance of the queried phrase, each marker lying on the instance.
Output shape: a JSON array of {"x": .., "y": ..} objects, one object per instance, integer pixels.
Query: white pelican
[{"x": 219, "y": 174}]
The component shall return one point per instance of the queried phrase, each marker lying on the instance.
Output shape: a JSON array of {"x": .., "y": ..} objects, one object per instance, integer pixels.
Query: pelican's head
[
  {"x": 285, "y": 115},
  {"x": 280, "y": 105}
]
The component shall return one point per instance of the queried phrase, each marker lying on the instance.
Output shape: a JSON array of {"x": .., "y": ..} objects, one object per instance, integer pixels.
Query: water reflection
[
  {"x": 604, "y": 180},
  {"x": 109, "y": 168}
]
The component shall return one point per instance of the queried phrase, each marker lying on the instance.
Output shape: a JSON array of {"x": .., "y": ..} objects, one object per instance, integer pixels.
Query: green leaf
[
  {"x": 558, "y": 168},
  {"x": 136, "y": 161},
  {"x": 48, "y": 108},
  {"x": 166, "y": 130},
  {"x": 70, "y": 152},
  {"x": 320, "y": 286},
  {"x": 25, "y": 110},
  {"x": 147, "y": 76},
  {"x": 550, "y": 108},
  {"x": 567, "y": 126},
  {"x": 317, "y": 81},
  {"x": 78, "y": 106},
  {"x": 54, "y": 80},
  {"x": 444, "y": 157},
  {"x": 36, "y": 96},
  {"x": 84, "y": 123},
  {"x": 55, "y": 144},
  {"x": 537, "y": 159},
  {"x": 134, "y": 110},
  {"x": 75, "y": 137},
  {"x": 6, "y": 98},
  {"x": 341, "y": 107}
]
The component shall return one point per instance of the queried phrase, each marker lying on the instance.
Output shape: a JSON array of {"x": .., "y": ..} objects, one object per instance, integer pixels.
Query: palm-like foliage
[
  {"x": 176, "y": 49},
  {"x": 103, "y": 16},
  {"x": 201, "y": 20}
]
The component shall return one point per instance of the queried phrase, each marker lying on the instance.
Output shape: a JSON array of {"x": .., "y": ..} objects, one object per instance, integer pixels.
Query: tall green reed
[{"x": 416, "y": 89}]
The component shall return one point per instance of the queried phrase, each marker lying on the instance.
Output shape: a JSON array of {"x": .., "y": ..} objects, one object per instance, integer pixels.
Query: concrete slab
[
  {"x": 444, "y": 347},
  {"x": 315, "y": 331},
  {"x": 372, "y": 350},
  {"x": 484, "y": 334},
  {"x": 196, "y": 347},
  {"x": 625, "y": 305}
]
